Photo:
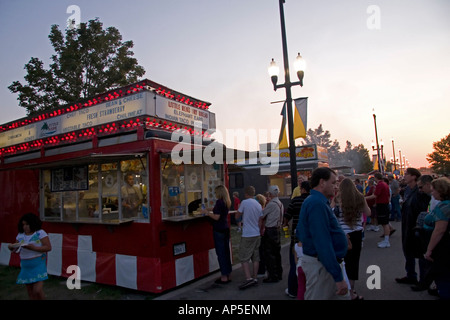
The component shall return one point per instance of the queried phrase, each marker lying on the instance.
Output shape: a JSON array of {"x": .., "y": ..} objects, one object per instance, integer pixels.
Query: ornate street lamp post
[
  {"x": 299, "y": 66},
  {"x": 393, "y": 152},
  {"x": 380, "y": 161}
]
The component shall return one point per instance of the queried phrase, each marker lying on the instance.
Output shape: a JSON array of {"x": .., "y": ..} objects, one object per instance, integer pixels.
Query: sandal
[{"x": 357, "y": 297}]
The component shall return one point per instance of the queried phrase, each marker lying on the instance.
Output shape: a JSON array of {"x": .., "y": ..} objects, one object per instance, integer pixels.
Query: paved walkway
[{"x": 389, "y": 260}]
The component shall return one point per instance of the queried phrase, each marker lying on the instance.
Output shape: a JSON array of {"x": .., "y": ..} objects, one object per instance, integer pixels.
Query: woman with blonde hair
[
  {"x": 438, "y": 250},
  {"x": 350, "y": 207},
  {"x": 221, "y": 232},
  {"x": 261, "y": 199}
]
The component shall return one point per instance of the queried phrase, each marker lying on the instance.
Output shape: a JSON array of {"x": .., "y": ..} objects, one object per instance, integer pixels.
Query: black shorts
[{"x": 383, "y": 213}]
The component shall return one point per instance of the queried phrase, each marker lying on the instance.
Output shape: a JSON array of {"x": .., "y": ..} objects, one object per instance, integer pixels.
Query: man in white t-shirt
[{"x": 251, "y": 212}]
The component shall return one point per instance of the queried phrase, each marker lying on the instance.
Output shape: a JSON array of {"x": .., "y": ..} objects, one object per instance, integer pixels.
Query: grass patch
[
  {"x": 235, "y": 236},
  {"x": 55, "y": 288},
  {"x": 9, "y": 290}
]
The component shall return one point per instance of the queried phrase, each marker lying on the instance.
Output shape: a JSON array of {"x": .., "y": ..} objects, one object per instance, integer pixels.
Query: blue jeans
[
  {"x": 410, "y": 267},
  {"x": 396, "y": 212},
  {"x": 443, "y": 286},
  {"x": 222, "y": 244}
]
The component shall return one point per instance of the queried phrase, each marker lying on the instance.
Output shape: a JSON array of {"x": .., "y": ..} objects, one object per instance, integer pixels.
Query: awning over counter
[{"x": 93, "y": 158}]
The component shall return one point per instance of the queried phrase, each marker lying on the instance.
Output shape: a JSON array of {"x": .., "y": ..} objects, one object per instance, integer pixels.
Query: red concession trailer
[{"x": 117, "y": 181}]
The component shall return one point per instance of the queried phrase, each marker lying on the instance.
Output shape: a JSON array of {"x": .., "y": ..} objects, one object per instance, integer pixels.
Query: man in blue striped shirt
[{"x": 324, "y": 242}]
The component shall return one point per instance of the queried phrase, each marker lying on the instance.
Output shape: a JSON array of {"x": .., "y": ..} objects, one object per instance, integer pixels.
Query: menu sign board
[
  {"x": 124, "y": 108},
  {"x": 181, "y": 113},
  {"x": 128, "y": 107},
  {"x": 69, "y": 179}
]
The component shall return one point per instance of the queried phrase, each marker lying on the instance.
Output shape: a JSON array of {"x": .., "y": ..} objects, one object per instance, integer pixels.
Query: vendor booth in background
[
  {"x": 101, "y": 176},
  {"x": 244, "y": 173}
]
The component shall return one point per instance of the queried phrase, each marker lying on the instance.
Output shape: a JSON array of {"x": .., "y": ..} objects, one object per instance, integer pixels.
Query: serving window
[
  {"x": 101, "y": 192},
  {"x": 186, "y": 187},
  {"x": 283, "y": 181}
]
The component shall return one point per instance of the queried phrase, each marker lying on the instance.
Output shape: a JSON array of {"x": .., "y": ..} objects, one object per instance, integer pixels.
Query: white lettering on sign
[
  {"x": 102, "y": 113},
  {"x": 142, "y": 103},
  {"x": 179, "y": 248},
  {"x": 181, "y": 113}
]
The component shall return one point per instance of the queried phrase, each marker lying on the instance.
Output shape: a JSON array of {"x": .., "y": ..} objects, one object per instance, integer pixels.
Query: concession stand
[
  {"x": 118, "y": 181},
  {"x": 244, "y": 173}
]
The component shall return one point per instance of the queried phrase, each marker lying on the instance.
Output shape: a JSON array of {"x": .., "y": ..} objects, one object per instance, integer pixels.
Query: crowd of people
[{"x": 329, "y": 215}]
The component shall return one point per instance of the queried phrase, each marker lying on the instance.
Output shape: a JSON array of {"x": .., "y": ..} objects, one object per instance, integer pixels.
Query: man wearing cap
[{"x": 273, "y": 218}]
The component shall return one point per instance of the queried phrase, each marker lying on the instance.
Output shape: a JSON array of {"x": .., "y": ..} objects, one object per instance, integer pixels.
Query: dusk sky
[{"x": 392, "y": 57}]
